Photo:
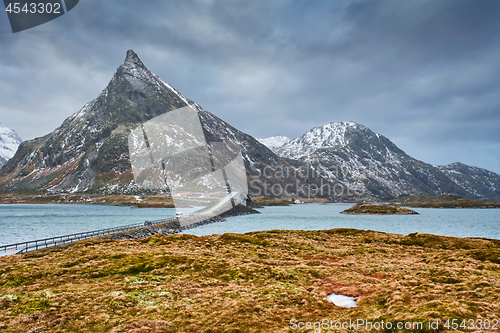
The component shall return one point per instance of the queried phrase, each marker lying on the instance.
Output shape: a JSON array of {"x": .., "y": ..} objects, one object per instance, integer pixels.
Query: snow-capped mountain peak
[
  {"x": 331, "y": 135},
  {"x": 89, "y": 152},
  {"x": 274, "y": 142},
  {"x": 9, "y": 141}
]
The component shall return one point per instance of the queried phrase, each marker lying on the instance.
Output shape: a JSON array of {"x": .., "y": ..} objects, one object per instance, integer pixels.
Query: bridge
[
  {"x": 23, "y": 247},
  {"x": 233, "y": 197}
]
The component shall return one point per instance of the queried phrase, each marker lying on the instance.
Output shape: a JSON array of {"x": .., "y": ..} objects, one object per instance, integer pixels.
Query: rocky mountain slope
[
  {"x": 369, "y": 163},
  {"x": 476, "y": 181},
  {"x": 89, "y": 151},
  {"x": 9, "y": 141}
]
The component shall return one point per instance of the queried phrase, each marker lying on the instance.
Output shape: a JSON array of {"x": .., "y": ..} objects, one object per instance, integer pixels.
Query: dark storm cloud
[{"x": 423, "y": 73}]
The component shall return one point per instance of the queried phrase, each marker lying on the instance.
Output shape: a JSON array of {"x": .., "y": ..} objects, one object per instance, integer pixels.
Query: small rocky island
[{"x": 370, "y": 209}]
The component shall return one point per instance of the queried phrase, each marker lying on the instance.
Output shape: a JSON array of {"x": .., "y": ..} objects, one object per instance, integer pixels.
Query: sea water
[
  {"x": 438, "y": 221},
  {"x": 22, "y": 222},
  {"x": 25, "y": 222}
]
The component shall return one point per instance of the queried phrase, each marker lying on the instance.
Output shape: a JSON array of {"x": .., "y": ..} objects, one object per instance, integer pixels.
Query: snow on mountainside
[
  {"x": 329, "y": 136},
  {"x": 477, "y": 181},
  {"x": 274, "y": 142},
  {"x": 351, "y": 154},
  {"x": 89, "y": 151},
  {"x": 9, "y": 141}
]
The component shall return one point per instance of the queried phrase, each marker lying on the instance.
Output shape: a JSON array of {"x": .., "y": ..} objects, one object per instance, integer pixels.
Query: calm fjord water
[
  {"x": 23, "y": 222},
  {"x": 448, "y": 222},
  {"x": 20, "y": 223}
]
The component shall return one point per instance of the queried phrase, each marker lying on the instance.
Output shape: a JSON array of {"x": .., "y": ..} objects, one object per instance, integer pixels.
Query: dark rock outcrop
[{"x": 369, "y": 209}]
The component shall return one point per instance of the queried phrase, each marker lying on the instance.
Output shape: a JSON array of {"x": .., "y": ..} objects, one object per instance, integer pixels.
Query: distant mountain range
[
  {"x": 89, "y": 152},
  {"x": 353, "y": 155},
  {"x": 9, "y": 141}
]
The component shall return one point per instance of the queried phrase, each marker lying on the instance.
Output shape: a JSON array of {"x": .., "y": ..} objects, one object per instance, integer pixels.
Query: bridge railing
[{"x": 58, "y": 240}]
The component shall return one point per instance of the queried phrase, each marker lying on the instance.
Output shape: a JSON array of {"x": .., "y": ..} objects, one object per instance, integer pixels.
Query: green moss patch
[{"x": 254, "y": 282}]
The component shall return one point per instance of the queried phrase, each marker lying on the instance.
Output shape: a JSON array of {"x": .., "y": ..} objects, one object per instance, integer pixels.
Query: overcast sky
[{"x": 426, "y": 74}]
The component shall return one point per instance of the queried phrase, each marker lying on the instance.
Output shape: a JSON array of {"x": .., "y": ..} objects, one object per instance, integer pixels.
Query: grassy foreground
[{"x": 255, "y": 282}]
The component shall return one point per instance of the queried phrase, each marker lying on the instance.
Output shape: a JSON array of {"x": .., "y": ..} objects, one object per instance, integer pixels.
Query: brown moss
[{"x": 255, "y": 282}]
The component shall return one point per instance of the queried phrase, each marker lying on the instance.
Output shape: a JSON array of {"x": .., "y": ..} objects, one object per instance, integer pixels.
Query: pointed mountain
[
  {"x": 9, "y": 141},
  {"x": 89, "y": 151}
]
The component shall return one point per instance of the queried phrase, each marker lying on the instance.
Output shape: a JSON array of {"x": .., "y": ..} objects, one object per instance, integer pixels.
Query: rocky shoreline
[
  {"x": 175, "y": 227},
  {"x": 168, "y": 228},
  {"x": 444, "y": 201},
  {"x": 459, "y": 203},
  {"x": 150, "y": 201},
  {"x": 370, "y": 209}
]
